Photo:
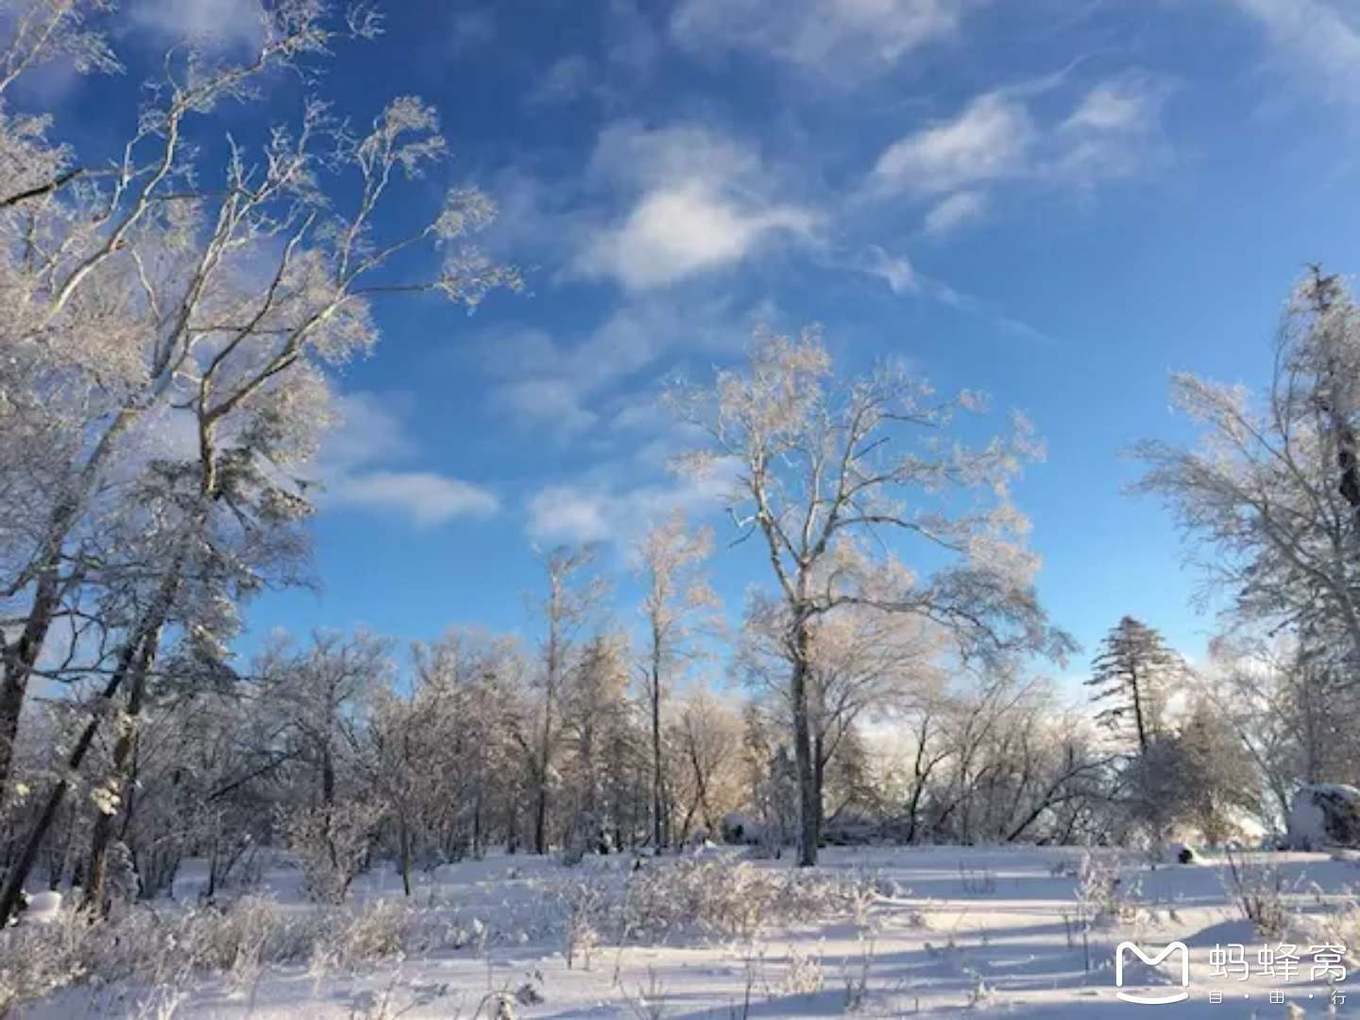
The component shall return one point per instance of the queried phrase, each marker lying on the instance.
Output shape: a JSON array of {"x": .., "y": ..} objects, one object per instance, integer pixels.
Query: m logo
[{"x": 1151, "y": 960}]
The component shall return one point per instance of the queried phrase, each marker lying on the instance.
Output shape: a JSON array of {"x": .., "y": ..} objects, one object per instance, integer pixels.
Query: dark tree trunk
[
  {"x": 658, "y": 812},
  {"x": 18, "y": 667},
  {"x": 405, "y": 856},
  {"x": 137, "y": 654},
  {"x": 802, "y": 749},
  {"x": 541, "y": 820}
]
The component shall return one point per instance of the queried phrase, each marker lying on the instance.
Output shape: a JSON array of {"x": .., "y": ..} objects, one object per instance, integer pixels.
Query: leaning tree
[{"x": 182, "y": 319}]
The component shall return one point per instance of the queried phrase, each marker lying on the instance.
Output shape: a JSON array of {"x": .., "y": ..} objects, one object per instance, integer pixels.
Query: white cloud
[
  {"x": 602, "y": 510},
  {"x": 990, "y": 139},
  {"x": 903, "y": 278},
  {"x": 673, "y": 233},
  {"x": 569, "y": 384},
  {"x": 425, "y": 497},
  {"x": 567, "y": 513},
  {"x": 1121, "y": 105},
  {"x": 955, "y": 211},
  {"x": 696, "y": 200},
  {"x": 220, "y": 24},
  {"x": 355, "y": 471},
  {"x": 1319, "y": 38},
  {"x": 566, "y": 80},
  {"x": 1113, "y": 130},
  {"x": 472, "y": 28},
  {"x": 557, "y": 400},
  {"x": 894, "y": 270},
  {"x": 841, "y": 38}
]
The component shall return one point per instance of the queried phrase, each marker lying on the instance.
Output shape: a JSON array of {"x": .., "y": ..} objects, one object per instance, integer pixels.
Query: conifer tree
[{"x": 1133, "y": 674}]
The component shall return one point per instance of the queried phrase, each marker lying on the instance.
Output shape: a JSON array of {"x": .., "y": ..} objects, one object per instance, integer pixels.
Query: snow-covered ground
[{"x": 952, "y": 931}]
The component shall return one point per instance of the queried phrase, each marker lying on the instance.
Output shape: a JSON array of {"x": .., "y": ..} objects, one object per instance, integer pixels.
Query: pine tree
[{"x": 1134, "y": 671}]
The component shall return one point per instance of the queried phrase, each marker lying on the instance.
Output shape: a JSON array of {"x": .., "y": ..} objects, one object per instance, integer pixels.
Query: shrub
[
  {"x": 331, "y": 844},
  {"x": 1256, "y": 886},
  {"x": 588, "y": 907},
  {"x": 142, "y": 946},
  {"x": 737, "y": 899}
]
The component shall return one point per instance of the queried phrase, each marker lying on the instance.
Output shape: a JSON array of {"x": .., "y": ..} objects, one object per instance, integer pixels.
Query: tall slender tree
[
  {"x": 671, "y": 563},
  {"x": 566, "y": 608}
]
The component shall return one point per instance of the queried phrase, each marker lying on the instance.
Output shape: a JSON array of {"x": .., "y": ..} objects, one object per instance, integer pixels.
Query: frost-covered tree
[
  {"x": 825, "y": 468},
  {"x": 599, "y": 738},
  {"x": 674, "y": 593},
  {"x": 707, "y": 780},
  {"x": 1273, "y": 487},
  {"x": 1132, "y": 676},
  {"x": 864, "y": 664},
  {"x": 566, "y": 608},
  {"x": 184, "y": 316},
  {"x": 1293, "y": 707},
  {"x": 1216, "y": 773}
]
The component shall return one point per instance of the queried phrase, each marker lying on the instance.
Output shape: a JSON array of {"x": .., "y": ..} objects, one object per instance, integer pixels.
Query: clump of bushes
[
  {"x": 736, "y": 900},
  {"x": 167, "y": 949}
]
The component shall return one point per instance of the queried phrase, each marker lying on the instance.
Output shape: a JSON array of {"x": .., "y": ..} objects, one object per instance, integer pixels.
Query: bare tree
[
  {"x": 566, "y": 609},
  {"x": 822, "y": 469},
  {"x": 671, "y": 561},
  {"x": 599, "y": 736},
  {"x": 708, "y": 777}
]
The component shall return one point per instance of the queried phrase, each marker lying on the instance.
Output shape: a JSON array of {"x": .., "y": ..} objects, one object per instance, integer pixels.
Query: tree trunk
[
  {"x": 1138, "y": 708},
  {"x": 802, "y": 750},
  {"x": 477, "y": 848},
  {"x": 122, "y": 754},
  {"x": 545, "y": 747},
  {"x": 19, "y": 663},
  {"x": 658, "y": 835},
  {"x": 134, "y": 655},
  {"x": 541, "y": 819},
  {"x": 405, "y": 855},
  {"x": 819, "y": 781}
]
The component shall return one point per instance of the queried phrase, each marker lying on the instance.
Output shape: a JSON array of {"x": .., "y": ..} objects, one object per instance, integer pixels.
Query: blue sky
[{"x": 1056, "y": 202}]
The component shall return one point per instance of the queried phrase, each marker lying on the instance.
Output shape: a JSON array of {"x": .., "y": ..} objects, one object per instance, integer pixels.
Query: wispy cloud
[
  {"x": 955, "y": 211},
  {"x": 566, "y": 80},
  {"x": 1317, "y": 39},
  {"x": 217, "y": 24},
  {"x": 424, "y": 497},
  {"x": 905, "y": 280},
  {"x": 607, "y": 509},
  {"x": 894, "y": 270},
  {"x": 570, "y": 382},
  {"x": 839, "y": 38},
  {"x": 356, "y": 468},
  {"x": 1112, "y": 130},
  {"x": 991, "y": 138},
  {"x": 472, "y": 28}
]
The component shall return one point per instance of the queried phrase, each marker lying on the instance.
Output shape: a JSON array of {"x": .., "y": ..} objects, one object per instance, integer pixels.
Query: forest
[{"x": 175, "y": 316}]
